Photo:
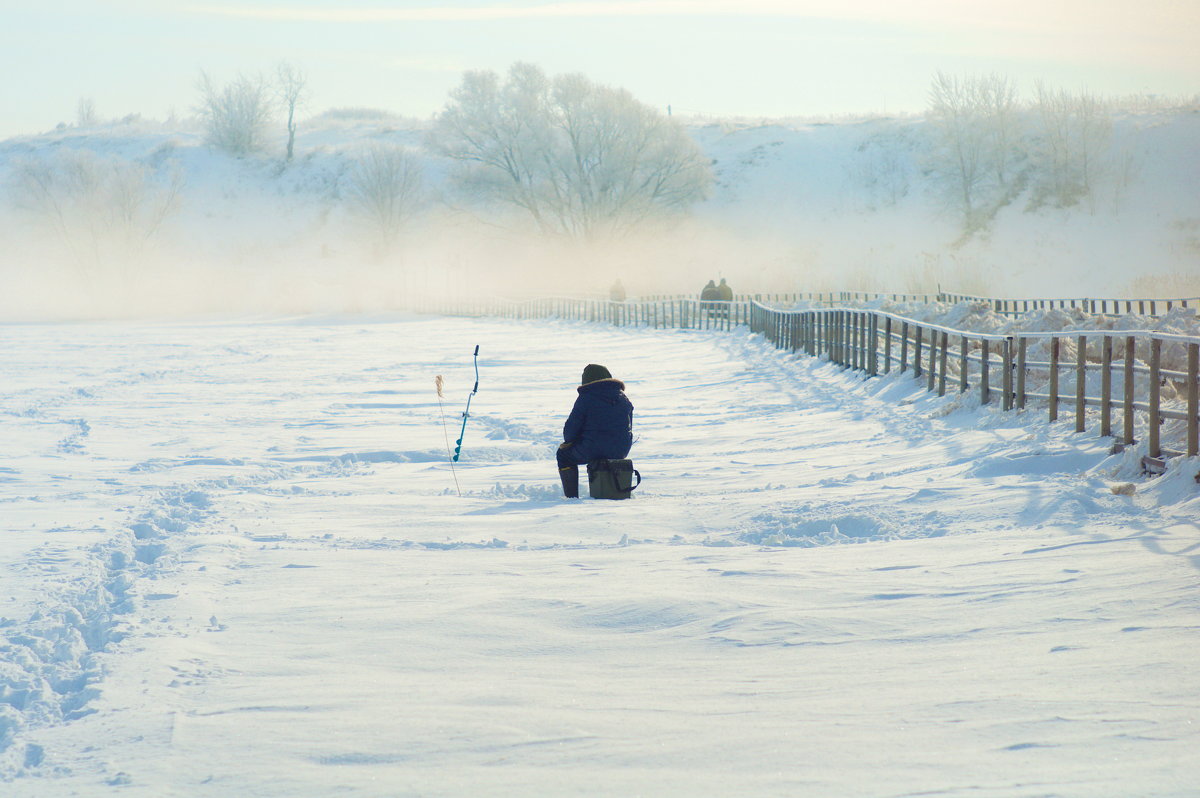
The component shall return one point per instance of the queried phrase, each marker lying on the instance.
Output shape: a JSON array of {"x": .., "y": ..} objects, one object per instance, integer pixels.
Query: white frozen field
[{"x": 235, "y": 562}]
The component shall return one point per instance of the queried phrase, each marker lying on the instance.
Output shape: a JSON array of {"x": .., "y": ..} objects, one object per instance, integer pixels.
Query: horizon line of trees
[{"x": 571, "y": 158}]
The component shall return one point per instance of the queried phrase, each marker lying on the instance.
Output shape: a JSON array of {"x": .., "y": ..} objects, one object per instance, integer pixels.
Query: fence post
[
  {"x": 843, "y": 336},
  {"x": 1193, "y": 401},
  {"x": 903, "y": 347},
  {"x": 1022, "y": 349},
  {"x": 860, "y": 340},
  {"x": 1155, "y": 395},
  {"x": 1130, "y": 356},
  {"x": 963, "y": 364},
  {"x": 1006, "y": 379},
  {"x": 1054, "y": 379},
  {"x": 848, "y": 352},
  {"x": 1106, "y": 387},
  {"x": 864, "y": 330},
  {"x": 835, "y": 336},
  {"x": 887, "y": 345},
  {"x": 873, "y": 352},
  {"x": 933, "y": 348},
  {"x": 1081, "y": 384},
  {"x": 985, "y": 393},
  {"x": 917, "y": 336},
  {"x": 942, "y": 370},
  {"x": 852, "y": 339}
]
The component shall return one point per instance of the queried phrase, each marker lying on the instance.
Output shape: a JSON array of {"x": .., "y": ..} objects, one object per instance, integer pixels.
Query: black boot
[{"x": 570, "y": 481}]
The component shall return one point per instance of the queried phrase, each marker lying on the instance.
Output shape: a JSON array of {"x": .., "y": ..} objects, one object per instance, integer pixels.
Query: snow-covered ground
[{"x": 236, "y": 561}]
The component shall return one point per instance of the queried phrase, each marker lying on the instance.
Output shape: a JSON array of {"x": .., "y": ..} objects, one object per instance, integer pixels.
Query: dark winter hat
[{"x": 593, "y": 372}]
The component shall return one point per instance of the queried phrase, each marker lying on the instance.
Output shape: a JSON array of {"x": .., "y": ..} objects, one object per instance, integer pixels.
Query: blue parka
[{"x": 601, "y": 422}]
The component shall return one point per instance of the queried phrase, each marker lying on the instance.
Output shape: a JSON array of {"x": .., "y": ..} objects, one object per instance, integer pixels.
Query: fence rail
[{"x": 1131, "y": 385}]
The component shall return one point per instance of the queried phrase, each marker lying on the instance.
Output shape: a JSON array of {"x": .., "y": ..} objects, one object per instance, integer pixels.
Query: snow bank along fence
[
  {"x": 1012, "y": 307},
  {"x": 1106, "y": 307},
  {"x": 1139, "y": 379},
  {"x": 1003, "y": 307},
  {"x": 1135, "y": 384}
]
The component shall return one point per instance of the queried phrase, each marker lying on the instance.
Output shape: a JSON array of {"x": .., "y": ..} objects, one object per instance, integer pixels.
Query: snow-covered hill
[{"x": 796, "y": 206}]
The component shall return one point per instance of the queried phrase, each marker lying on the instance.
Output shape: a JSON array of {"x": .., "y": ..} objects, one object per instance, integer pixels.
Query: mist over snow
[
  {"x": 795, "y": 206},
  {"x": 237, "y": 559}
]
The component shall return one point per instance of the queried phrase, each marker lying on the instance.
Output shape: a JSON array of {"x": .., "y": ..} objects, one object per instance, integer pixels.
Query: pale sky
[{"x": 750, "y": 58}]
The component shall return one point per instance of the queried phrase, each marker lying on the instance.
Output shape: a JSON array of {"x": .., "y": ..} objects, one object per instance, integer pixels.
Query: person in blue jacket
[{"x": 600, "y": 426}]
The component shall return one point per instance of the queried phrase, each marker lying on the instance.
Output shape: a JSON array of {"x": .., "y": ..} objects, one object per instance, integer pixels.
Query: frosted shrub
[
  {"x": 384, "y": 190},
  {"x": 85, "y": 113},
  {"x": 103, "y": 210},
  {"x": 236, "y": 116}
]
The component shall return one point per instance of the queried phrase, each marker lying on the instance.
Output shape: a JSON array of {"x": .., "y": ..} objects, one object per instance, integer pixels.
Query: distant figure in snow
[
  {"x": 709, "y": 293},
  {"x": 617, "y": 292},
  {"x": 600, "y": 426},
  {"x": 724, "y": 292}
]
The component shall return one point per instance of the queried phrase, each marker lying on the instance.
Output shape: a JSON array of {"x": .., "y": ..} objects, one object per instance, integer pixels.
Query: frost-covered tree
[
  {"x": 236, "y": 116},
  {"x": 103, "y": 210},
  {"x": 976, "y": 139},
  {"x": 1073, "y": 139},
  {"x": 85, "y": 112},
  {"x": 292, "y": 89},
  {"x": 998, "y": 107},
  {"x": 579, "y": 158},
  {"x": 384, "y": 189}
]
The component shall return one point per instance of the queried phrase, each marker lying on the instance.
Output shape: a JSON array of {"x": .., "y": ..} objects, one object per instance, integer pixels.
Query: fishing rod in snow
[{"x": 467, "y": 412}]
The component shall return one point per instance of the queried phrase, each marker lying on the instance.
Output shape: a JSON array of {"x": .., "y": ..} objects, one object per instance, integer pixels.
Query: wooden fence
[
  {"x": 664, "y": 313},
  {"x": 1094, "y": 375},
  {"x": 740, "y": 305},
  {"x": 1140, "y": 399}
]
